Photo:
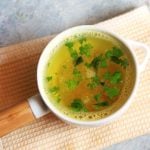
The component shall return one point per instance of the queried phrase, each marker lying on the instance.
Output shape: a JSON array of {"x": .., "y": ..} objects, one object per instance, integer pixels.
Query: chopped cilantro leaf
[
  {"x": 73, "y": 54},
  {"x": 124, "y": 62},
  {"x": 58, "y": 99},
  {"x": 99, "y": 61},
  {"x": 117, "y": 52},
  {"x": 113, "y": 78},
  {"x": 97, "y": 97},
  {"x": 107, "y": 76},
  {"x": 115, "y": 59},
  {"x": 82, "y": 39},
  {"x": 79, "y": 60},
  {"x": 49, "y": 78},
  {"x": 114, "y": 54},
  {"x": 54, "y": 89},
  {"x": 72, "y": 84},
  {"x": 88, "y": 65},
  {"x": 77, "y": 105},
  {"x": 77, "y": 74},
  {"x": 72, "y": 51},
  {"x": 103, "y": 63},
  {"x": 116, "y": 77},
  {"x": 111, "y": 92},
  {"x": 102, "y": 83},
  {"x": 108, "y": 54},
  {"x": 95, "y": 62},
  {"x": 104, "y": 103},
  {"x": 94, "y": 82},
  {"x": 69, "y": 44},
  {"x": 86, "y": 49}
]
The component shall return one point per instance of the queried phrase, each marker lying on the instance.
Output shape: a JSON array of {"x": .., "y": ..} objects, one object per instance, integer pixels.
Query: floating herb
[
  {"x": 102, "y": 83},
  {"x": 113, "y": 78},
  {"x": 82, "y": 39},
  {"x": 77, "y": 105},
  {"x": 116, "y": 77},
  {"x": 124, "y": 63},
  {"x": 49, "y": 78},
  {"x": 77, "y": 74},
  {"x": 104, "y": 103},
  {"x": 111, "y": 91},
  {"x": 72, "y": 84},
  {"x": 97, "y": 97},
  {"x": 115, "y": 55},
  {"x": 79, "y": 60},
  {"x": 88, "y": 65},
  {"x": 95, "y": 62},
  {"x": 115, "y": 51},
  {"x": 103, "y": 62},
  {"x": 69, "y": 44},
  {"x": 86, "y": 49},
  {"x": 54, "y": 89},
  {"x": 72, "y": 51},
  {"x": 94, "y": 82},
  {"x": 58, "y": 99},
  {"x": 73, "y": 54}
]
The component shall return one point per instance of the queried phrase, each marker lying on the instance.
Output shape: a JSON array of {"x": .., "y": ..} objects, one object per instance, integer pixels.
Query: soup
[{"x": 86, "y": 75}]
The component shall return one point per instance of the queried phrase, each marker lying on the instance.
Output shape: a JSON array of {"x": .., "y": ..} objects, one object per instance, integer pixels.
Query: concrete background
[{"x": 22, "y": 20}]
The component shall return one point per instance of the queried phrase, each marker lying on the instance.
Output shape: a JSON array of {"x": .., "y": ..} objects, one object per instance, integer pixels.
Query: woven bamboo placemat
[{"x": 18, "y": 82}]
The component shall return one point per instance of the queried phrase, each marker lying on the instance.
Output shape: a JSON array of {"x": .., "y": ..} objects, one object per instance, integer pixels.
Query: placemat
[{"x": 18, "y": 82}]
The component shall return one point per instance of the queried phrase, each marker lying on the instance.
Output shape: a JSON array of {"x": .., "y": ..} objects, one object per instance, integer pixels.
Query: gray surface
[
  {"x": 139, "y": 143},
  {"x": 22, "y": 20}
]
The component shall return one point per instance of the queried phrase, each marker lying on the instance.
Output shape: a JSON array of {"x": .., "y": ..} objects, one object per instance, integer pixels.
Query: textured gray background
[{"x": 22, "y": 20}]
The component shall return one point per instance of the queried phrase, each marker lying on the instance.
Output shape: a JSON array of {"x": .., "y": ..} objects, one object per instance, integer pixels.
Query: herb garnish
[
  {"x": 101, "y": 104},
  {"x": 85, "y": 49},
  {"x": 77, "y": 74},
  {"x": 115, "y": 51},
  {"x": 72, "y": 84},
  {"x": 102, "y": 83},
  {"x": 49, "y": 78},
  {"x": 82, "y": 39},
  {"x": 72, "y": 51},
  {"x": 69, "y": 44},
  {"x": 54, "y": 89},
  {"x": 77, "y": 105},
  {"x": 104, "y": 103},
  {"x": 115, "y": 55},
  {"x": 97, "y": 97},
  {"x": 79, "y": 60},
  {"x": 94, "y": 82},
  {"x": 73, "y": 54},
  {"x": 113, "y": 78},
  {"x": 88, "y": 65},
  {"x": 95, "y": 62},
  {"x": 58, "y": 99},
  {"x": 99, "y": 61},
  {"x": 124, "y": 63},
  {"x": 111, "y": 91}
]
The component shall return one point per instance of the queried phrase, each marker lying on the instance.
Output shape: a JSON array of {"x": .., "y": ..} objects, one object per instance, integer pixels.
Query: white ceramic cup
[{"x": 49, "y": 50}]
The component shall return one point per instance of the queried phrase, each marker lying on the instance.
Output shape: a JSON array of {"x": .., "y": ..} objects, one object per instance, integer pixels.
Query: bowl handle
[
  {"x": 144, "y": 47},
  {"x": 38, "y": 107}
]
